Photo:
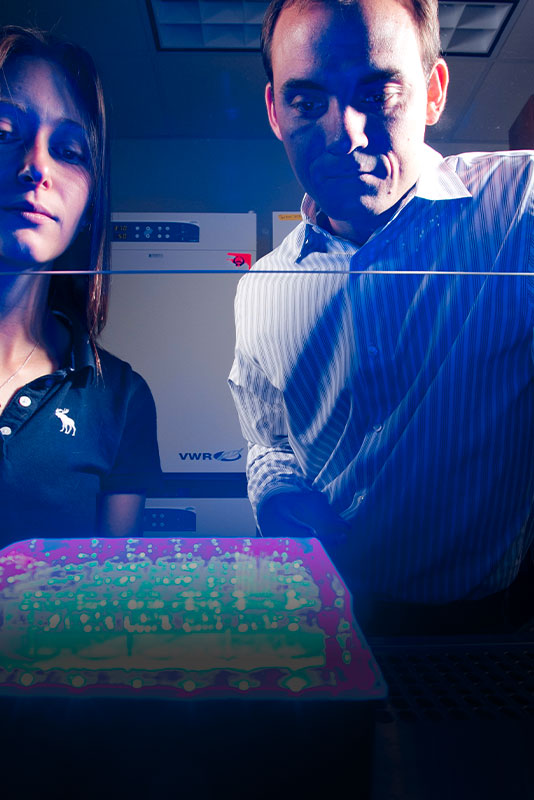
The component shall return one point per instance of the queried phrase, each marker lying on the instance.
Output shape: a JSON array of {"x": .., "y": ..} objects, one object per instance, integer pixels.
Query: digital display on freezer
[{"x": 155, "y": 231}]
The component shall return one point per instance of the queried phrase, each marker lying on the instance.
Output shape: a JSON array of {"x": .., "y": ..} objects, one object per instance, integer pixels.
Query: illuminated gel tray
[{"x": 202, "y": 618}]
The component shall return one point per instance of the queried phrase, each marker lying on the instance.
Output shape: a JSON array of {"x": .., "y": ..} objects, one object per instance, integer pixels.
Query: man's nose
[
  {"x": 347, "y": 130},
  {"x": 36, "y": 164}
]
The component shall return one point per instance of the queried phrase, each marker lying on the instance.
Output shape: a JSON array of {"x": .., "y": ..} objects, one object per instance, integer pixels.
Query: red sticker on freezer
[{"x": 240, "y": 259}]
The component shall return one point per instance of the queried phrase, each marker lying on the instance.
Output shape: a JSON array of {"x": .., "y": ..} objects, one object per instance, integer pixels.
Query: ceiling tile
[
  {"x": 214, "y": 95},
  {"x": 518, "y": 39},
  {"x": 102, "y": 26},
  {"x": 504, "y": 91}
]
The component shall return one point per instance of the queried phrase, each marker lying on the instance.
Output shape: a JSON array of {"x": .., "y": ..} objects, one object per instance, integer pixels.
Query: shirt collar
[
  {"x": 437, "y": 181},
  {"x": 81, "y": 354}
]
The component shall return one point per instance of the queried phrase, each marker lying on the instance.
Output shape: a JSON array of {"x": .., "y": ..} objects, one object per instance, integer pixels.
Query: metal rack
[{"x": 455, "y": 680}]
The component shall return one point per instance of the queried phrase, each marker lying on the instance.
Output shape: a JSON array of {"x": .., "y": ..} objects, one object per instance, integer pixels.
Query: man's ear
[
  {"x": 271, "y": 111},
  {"x": 437, "y": 91}
]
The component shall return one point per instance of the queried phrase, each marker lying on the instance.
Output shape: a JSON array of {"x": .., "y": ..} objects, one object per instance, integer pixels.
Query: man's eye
[
  {"x": 378, "y": 98},
  {"x": 383, "y": 99},
  {"x": 7, "y": 134},
  {"x": 307, "y": 107}
]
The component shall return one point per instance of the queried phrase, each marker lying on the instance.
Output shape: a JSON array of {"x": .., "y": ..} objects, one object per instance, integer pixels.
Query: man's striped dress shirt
[{"x": 408, "y": 399}]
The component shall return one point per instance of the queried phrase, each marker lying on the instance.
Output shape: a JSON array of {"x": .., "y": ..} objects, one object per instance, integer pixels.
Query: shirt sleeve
[
  {"x": 136, "y": 468},
  {"x": 272, "y": 466}
]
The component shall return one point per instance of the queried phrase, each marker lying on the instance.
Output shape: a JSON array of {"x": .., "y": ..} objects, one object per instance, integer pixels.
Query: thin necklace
[{"x": 8, "y": 380}]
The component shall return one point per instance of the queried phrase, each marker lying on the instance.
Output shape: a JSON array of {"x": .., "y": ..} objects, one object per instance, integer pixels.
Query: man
[{"x": 392, "y": 415}]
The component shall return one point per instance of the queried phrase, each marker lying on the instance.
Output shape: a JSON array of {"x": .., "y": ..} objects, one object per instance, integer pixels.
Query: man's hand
[{"x": 295, "y": 514}]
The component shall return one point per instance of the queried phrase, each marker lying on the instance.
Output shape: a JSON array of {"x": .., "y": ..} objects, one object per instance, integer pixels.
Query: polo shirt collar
[
  {"x": 437, "y": 181},
  {"x": 81, "y": 354}
]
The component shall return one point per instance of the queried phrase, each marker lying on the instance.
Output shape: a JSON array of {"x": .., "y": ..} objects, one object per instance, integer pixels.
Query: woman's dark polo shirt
[{"x": 51, "y": 471}]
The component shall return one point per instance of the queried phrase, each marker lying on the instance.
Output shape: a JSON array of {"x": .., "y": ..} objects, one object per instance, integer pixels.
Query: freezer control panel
[{"x": 140, "y": 231}]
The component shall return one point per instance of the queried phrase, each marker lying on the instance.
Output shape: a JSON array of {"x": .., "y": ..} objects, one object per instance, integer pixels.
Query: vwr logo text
[{"x": 222, "y": 455}]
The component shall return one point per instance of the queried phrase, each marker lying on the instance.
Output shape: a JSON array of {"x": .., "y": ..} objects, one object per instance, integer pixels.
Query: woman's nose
[{"x": 35, "y": 168}]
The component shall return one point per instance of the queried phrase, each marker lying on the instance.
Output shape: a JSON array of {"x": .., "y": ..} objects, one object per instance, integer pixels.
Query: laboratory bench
[
  {"x": 413, "y": 718},
  {"x": 459, "y": 718}
]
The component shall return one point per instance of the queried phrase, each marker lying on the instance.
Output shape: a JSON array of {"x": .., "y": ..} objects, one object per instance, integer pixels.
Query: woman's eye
[
  {"x": 71, "y": 154},
  {"x": 11, "y": 123}
]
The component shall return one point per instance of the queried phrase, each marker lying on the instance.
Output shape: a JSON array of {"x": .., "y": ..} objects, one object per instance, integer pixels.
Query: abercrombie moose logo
[{"x": 67, "y": 423}]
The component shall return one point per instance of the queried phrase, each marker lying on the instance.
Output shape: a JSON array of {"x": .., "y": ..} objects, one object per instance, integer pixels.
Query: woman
[{"x": 78, "y": 442}]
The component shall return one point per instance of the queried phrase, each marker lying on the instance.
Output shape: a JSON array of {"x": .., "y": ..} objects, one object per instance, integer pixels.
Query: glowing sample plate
[{"x": 185, "y": 618}]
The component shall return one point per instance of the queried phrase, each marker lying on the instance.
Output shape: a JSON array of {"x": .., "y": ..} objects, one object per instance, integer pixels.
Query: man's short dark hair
[{"x": 424, "y": 12}]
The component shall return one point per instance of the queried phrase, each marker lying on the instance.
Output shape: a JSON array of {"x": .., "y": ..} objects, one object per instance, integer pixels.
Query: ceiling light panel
[
  {"x": 466, "y": 28},
  {"x": 207, "y": 24},
  {"x": 472, "y": 28}
]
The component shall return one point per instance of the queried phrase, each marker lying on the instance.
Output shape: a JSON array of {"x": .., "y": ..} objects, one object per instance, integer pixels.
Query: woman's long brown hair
[{"x": 85, "y": 296}]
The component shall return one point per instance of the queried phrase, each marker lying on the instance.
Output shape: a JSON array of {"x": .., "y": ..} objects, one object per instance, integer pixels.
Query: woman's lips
[{"x": 31, "y": 213}]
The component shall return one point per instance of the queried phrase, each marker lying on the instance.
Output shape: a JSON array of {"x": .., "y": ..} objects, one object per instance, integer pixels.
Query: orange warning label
[{"x": 290, "y": 217}]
